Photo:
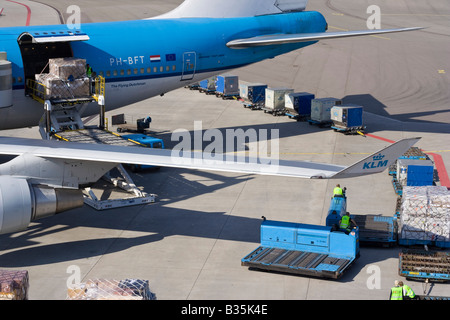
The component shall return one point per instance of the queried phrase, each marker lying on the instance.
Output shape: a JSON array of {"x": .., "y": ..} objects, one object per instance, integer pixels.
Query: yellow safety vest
[
  {"x": 338, "y": 191},
  {"x": 409, "y": 292},
  {"x": 397, "y": 293},
  {"x": 345, "y": 222}
]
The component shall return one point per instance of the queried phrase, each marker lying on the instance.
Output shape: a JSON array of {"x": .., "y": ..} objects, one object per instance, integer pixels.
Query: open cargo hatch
[
  {"x": 38, "y": 47},
  {"x": 53, "y": 36}
]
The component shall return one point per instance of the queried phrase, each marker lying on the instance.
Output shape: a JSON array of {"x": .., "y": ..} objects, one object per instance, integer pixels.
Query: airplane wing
[
  {"x": 277, "y": 39},
  {"x": 375, "y": 163}
]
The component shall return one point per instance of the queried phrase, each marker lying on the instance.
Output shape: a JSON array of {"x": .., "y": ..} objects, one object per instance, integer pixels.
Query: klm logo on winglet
[{"x": 376, "y": 163}]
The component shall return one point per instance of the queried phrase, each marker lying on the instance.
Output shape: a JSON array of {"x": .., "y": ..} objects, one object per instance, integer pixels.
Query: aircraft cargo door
[{"x": 189, "y": 65}]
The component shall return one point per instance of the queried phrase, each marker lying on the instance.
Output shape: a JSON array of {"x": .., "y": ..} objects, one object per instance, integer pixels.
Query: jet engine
[{"x": 21, "y": 202}]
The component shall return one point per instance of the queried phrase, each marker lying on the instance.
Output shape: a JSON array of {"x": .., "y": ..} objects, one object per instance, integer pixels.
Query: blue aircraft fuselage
[{"x": 144, "y": 58}]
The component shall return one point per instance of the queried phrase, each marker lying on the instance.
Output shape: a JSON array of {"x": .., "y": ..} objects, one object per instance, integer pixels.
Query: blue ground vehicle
[
  {"x": 145, "y": 141},
  {"x": 304, "y": 249}
]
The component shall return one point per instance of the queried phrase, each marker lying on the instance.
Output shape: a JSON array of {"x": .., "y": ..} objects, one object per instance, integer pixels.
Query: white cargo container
[
  {"x": 275, "y": 98},
  {"x": 321, "y": 109}
]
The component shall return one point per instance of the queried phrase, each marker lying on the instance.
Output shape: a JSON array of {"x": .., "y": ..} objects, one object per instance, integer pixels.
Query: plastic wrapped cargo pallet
[
  {"x": 321, "y": 108},
  {"x": 425, "y": 216},
  {"x": 104, "y": 289},
  {"x": 50, "y": 86},
  {"x": 14, "y": 285},
  {"x": 68, "y": 67},
  {"x": 275, "y": 98}
]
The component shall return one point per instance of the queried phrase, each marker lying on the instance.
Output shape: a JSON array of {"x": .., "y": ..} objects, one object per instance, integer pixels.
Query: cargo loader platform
[
  {"x": 302, "y": 249},
  {"x": 120, "y": 178},
  {"x": 377, "y": 230},
  {"x": 296, "y": 262}
]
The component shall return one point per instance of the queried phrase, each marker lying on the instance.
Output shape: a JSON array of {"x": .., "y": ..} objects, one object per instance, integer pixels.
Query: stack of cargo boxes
[
  {"x": 253, "y": 95},
  {"x": 321, "y": 111},
  {"x": 105, "y": 289},
  {"x": 227, "y": 86},
  {"x": 14, "y": 284},
  {"x": 298, "y": 105},
  {"x": 347, "y": 118},
  {"x": 275, "y": 100},
  {"x": 425, "y": 216},
  {"x": 66, "y": 80}
]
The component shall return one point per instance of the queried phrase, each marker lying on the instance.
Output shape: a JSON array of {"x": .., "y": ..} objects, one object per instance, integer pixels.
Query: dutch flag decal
[{"x": 155, "y": 58}]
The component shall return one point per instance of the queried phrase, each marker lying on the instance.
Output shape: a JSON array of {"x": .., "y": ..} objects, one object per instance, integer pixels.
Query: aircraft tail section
[
  {"x": 377, "y": 162},
  {"x": 233, "y": 8}
]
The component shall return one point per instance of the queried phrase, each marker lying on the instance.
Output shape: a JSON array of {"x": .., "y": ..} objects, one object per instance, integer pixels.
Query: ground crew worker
[
  {"x": 346, "y": 223},
  {"x": 408, "y": 293},
  {"x": 396, "y": 291},
  {"x": 88, "y": 71},
  {"x": 337, "y": 191}
]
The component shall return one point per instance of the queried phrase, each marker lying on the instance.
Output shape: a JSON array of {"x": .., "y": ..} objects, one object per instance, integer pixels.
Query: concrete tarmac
[{"x": 190, "y": 242}]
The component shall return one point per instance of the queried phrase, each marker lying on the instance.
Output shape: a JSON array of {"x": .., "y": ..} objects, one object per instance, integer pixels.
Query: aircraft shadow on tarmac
[
  {"x": 373, "y": 105},
  {"x": 159, "y": 220}
]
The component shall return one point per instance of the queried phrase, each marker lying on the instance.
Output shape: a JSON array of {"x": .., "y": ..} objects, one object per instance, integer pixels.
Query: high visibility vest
[
  {"x": 409, "y": 292},
  {"x": 89, "y": 71},
  {"x": 345, "y": 222},
  {"x": 397, "y": 293},
  {"x": 338, "y": 191}
]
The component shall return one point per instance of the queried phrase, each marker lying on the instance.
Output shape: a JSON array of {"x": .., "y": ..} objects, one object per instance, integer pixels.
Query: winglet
[{"x": 378, "y": 161}]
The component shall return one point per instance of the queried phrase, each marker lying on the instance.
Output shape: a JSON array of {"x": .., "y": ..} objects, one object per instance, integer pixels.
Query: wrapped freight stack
[
  {"x": 14, "y": 285},
  {"x": 66, "y": 80},
  {"x": 104, "y": 289},
  {"x": 425, "y": 216}
]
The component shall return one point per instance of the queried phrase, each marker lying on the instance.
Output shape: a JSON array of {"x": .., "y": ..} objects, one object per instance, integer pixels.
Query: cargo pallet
[
  {"x": 296, "y": 262},
  {"x": 424, "y": 265},
  {"x": 296, "y": 116},
  {"x": 432, "y": 298},
  {"x": 274, "y": 112},
  {"x": 253, "y": 106},
  {"x": 225, "y": 96},
  {"x": 349, "y": 130},
  {"x": 398, "y": 188},
  {"x": 377, "y": 230}
]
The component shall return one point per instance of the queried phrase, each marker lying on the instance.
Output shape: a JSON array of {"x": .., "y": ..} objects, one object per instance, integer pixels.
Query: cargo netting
[
  {"x": 105, "y": 289},
  {"x": 66, "y": 80},
  {"x": 425, "y": 213},
  {"x": 14, "y": 284}
]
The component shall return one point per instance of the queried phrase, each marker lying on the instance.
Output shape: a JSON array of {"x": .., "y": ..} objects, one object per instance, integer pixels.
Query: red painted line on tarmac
[
  {"x": 28, "y": 11},
  {"x": 379, "y": 138},
  {"x": 438, "y": 162},
  {"x": 442, "y": 171}
]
